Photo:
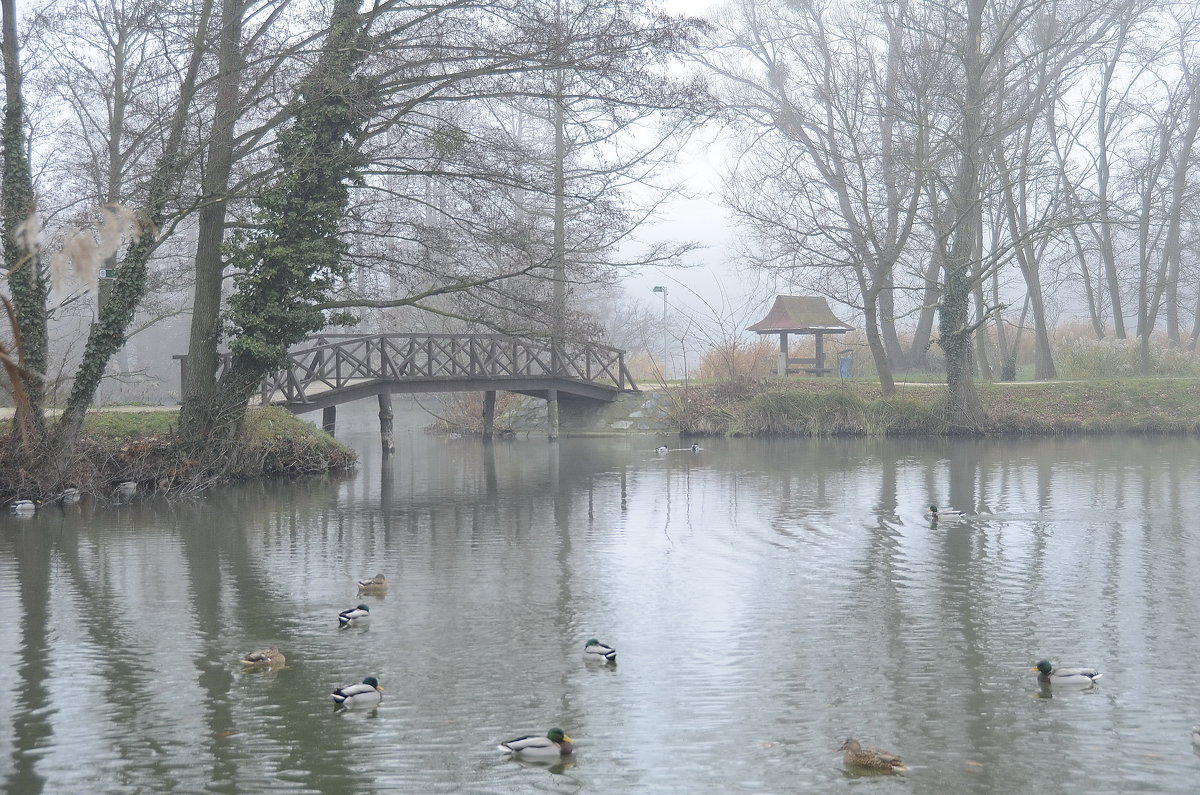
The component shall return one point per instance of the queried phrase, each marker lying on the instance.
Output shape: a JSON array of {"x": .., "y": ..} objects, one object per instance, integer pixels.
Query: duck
[
  {"x": 264, "y": 659},
  {"x": 595, "y": 651},
  {"x": 662, "y": 448},
  {"x": 354, "y": 615},
  {"x": 696, "y": 447},
  {"x": 366, "y": 694},
  {"x": 377, "y": 584},
  {"x": 69, "y": 496},
  {"x": 127, "y": 489},
  {"x": 555, "y": 743},
  {"x": 25, "y": 507},
  {"x": 1049, "y": 675},
  {"x": 944, "y": 513},
  {"x": 871, "y": 758},
  {"x": 1196, "y": 736}
]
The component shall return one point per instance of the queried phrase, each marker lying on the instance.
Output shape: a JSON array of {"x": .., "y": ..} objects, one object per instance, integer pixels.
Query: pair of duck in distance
[
  {"x": 69, "y": 496},
  {"x": 662, "y": 448},
  {"x": 359, "y": 614}
]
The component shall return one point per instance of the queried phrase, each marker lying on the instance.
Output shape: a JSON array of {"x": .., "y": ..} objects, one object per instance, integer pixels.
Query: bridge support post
[
  {"x": 385, "y": 424},
  {"x": 489, "y": 414},
  {"x": 552, "y": 414},
  {"x": 329, "y": 419}
]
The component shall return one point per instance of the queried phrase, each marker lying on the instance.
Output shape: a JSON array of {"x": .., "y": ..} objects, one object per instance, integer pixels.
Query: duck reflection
[{"x": 555, "y": 766}]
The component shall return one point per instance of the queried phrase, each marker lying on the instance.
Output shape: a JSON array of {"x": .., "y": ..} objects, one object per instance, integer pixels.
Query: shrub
[
  {"x": 738, "y": 360},
  {"x": 1113, "y": 358},
  {"x": 803, "y": 414}
]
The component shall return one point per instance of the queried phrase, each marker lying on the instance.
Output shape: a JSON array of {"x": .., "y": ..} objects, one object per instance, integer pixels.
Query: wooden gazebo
[{"x": 801, "y": 314}]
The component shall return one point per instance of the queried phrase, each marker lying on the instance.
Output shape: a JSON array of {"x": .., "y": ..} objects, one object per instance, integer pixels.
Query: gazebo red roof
[{"x": 800, "y": 313}]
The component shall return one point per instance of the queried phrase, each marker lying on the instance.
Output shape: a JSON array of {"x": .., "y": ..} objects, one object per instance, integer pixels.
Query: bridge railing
[{"x": 340, "y": 360}]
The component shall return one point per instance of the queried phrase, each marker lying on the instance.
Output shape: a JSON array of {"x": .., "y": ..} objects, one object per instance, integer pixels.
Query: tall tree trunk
[
  {"x": 203, "y": 360},
  {"x": 931, "y": 293},
  {"x": 1043, "y": 356},
  {"x": 887, "y": 316},
  {"x": 954, "y": 322},
  {"x": 559, "y": 253},
  {"x": 1172, "y": 247},
  {"x": 1103, "y": 174},
  {"x": 26, "y": 281},
  {"x": 883, "y": 365},
  {"x": 292, "y": 257}
]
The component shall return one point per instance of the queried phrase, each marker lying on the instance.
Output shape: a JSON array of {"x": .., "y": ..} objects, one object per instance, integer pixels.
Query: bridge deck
[{"x": 341, "y": 368}]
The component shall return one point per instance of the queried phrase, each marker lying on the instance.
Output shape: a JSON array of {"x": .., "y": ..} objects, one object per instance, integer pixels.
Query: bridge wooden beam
[
  {"x": 489, "y": 414},
  {"x": 534, "y": 387},
  {"x": 385, "y": 424},
  {"x": 552, "y": 414}
]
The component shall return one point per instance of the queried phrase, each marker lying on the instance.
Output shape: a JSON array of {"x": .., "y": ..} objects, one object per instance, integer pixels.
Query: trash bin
[{"x": 845, "y": 364}]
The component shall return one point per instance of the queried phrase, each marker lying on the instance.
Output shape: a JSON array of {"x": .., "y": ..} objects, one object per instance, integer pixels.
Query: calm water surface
[{"x": 768, "y": 598}]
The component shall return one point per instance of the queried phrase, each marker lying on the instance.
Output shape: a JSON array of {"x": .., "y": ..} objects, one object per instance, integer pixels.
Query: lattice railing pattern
[{"x": 340, "y": 360}]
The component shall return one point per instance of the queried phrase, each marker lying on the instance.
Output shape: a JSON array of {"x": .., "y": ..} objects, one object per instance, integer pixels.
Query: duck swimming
[
  {"x": 595, "y": 651},
  {"x": 871, "y": 758},
  {"x": 25, "y": 506},
  {"x": 1049, "y": 675},
  {"x": 354, "y": 615},
  {"x": 555, "y": 743},
  {"x": 367, "y": 694},
  {"x": 662, "y": 448},
  {"x": 944, "y": 513},
  {"x": 377, "y": 584},
  {"x": 264, "y": 659}
]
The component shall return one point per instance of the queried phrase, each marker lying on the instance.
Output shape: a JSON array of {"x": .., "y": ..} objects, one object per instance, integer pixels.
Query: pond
[{"x": 768, "y": 599}]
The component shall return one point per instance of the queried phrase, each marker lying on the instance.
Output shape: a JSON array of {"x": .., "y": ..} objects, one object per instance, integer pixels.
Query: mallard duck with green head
[
  {"x": 595, "y": 651},
  {"x": 353, "y": 616},
  {"x": 554, "y": 743},
  {"x": 366, "y": 694},
  {"x": 870, "y": 758},
  {"x": 1049, "y": 675},
  {"x": 945, "y": 514},
  {"x": 377, "y": 584},
  {"x": 25, "y": 507}
]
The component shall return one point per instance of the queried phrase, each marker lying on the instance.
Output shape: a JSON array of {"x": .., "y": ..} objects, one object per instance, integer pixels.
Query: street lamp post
[{"x": 666, "y": 345}]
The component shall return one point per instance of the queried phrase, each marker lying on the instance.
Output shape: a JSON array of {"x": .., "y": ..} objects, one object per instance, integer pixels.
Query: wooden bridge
[{"x": 340, "y": 368}]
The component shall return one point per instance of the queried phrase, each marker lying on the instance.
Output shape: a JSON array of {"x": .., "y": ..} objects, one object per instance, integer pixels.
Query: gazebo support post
[
  {"x": 820, "y": 354},
  {"x": 783, "y": 354}
]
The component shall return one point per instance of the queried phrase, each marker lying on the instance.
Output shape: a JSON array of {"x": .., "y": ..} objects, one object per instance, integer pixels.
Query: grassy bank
[
  {"x": 142, "y": 446},
  {"x": 830, "y": 407}
]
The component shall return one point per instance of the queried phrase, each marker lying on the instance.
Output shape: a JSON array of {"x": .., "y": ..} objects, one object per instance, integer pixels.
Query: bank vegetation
[
  {"x": 827, "y": 407},
  {"x": 145, "y": 447}
]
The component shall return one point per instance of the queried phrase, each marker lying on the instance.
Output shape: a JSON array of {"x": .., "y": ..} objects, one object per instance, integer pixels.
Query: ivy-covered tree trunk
[
  {"x": 107, "y": 335},
  {"x": 26, "y": 281},
  {"x": 954, "y": 321},
  {"x": 290, "y": 258},
  {"x": 203, "y": 360}
]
